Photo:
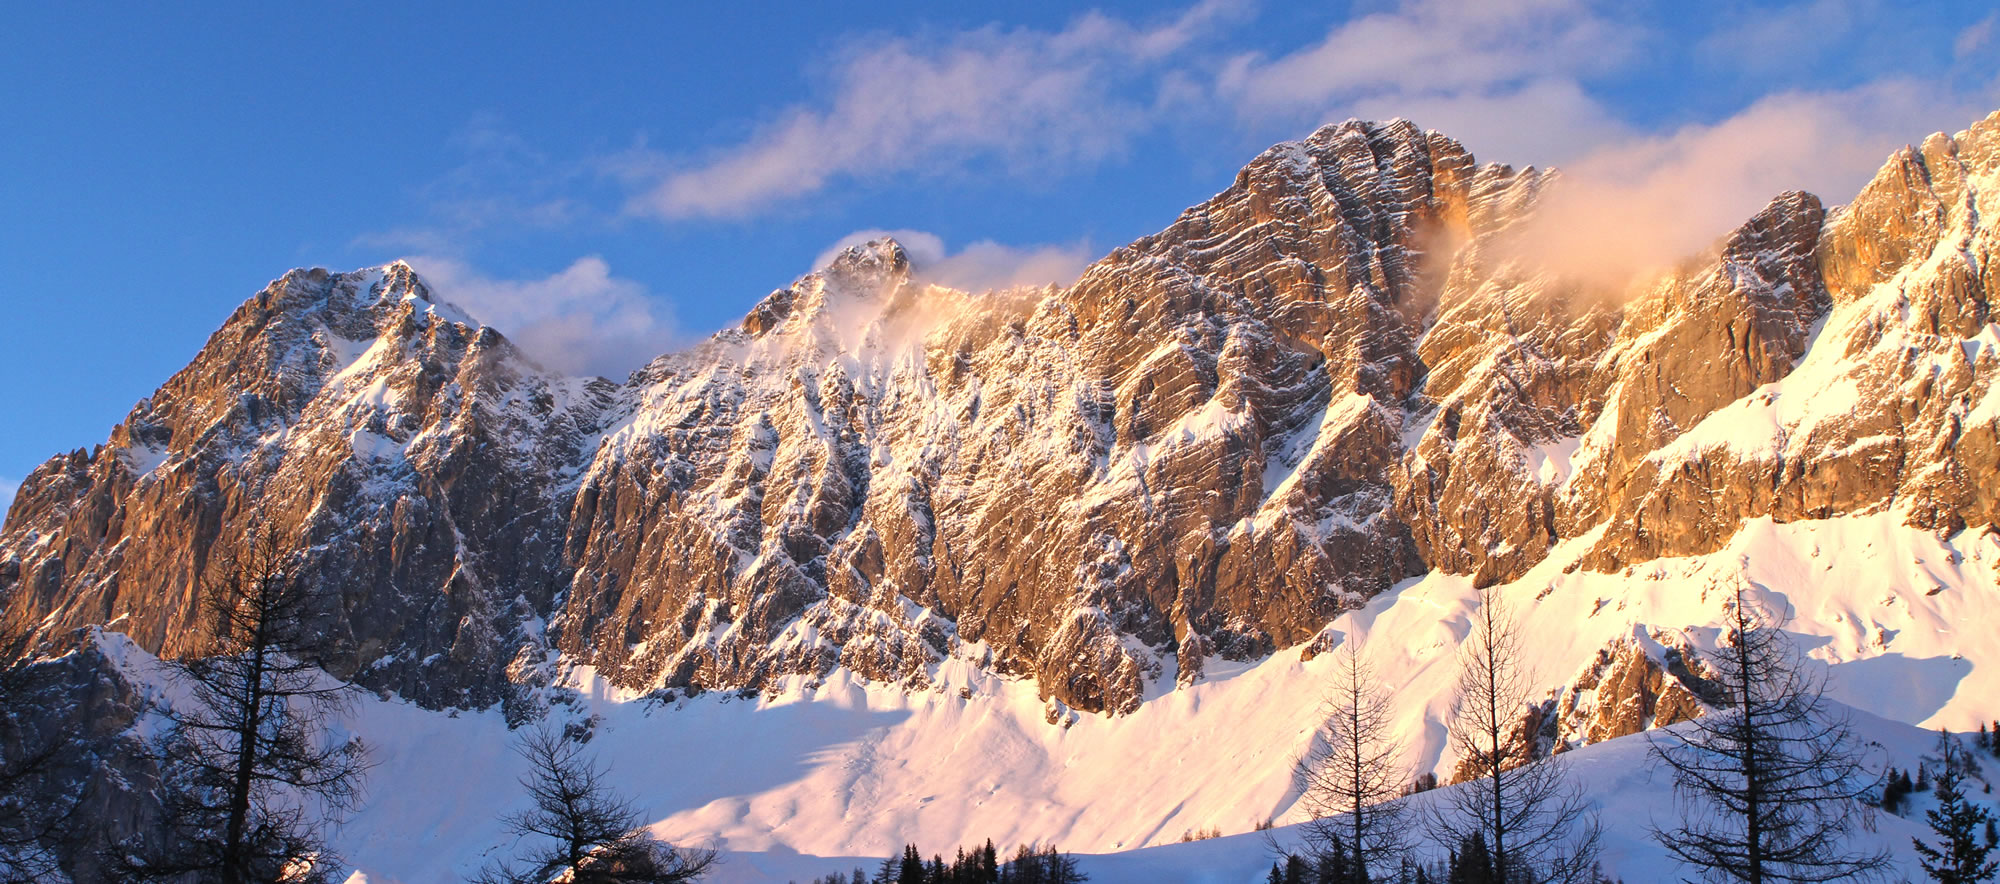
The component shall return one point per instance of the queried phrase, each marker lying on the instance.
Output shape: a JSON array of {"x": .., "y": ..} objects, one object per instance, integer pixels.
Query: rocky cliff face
[
  {"x": 412, "y": 459},
  {"x": 77, "y": 699},
  {"x": 1332, "y": 376}
]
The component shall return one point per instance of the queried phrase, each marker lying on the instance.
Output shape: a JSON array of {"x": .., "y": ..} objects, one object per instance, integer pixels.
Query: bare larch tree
[
  {"x": 250, "y": 770},
  {"x": 1349, "y": 780},
  {"x": 1768, "y": 783},
  {"x": 587, "y": 834},
  {"x": 1532, "y": 822}
]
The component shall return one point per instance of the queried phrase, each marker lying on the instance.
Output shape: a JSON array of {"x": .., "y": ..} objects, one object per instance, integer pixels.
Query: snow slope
[{"x": 809, "y": 779}]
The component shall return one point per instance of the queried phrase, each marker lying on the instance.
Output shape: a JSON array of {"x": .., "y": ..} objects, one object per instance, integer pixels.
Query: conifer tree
[
  {"x": 1534, "y": 824},
  {"x": 1472, "y": 862},
  {"x": 1769, "y": 782},
  {"x": 1896, "y": 789},
  {"x": 249, "y": 769},
  {"x": 1332, "y": 867},
  {"x": 584, "y": 834},
  {"x": 1292, "y": 870},
  {"x": 1959, "y": 855},
  {"x": 1348, "y": 780}
]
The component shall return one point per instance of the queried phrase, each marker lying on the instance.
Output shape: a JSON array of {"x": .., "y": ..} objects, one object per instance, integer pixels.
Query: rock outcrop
[
  {"x": 1633, "y": 686},
  {"x": 1332, "y": 376}
]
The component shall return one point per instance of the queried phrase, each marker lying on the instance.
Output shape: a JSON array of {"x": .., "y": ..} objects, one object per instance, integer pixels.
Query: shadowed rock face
[
  {"x": 1332, "y": 376},
  {"x": 78, "y": 697}
]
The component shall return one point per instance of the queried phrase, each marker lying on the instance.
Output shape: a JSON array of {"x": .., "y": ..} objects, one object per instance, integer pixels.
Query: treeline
[
  {"x": 1471, "y": 862},
  {"x": 1030, "y": 864}
]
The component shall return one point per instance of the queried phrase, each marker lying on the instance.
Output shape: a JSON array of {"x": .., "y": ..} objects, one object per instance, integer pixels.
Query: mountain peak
[
  {"x": 862, "y": 274},
  {"x": 397, "y": 281},
  {"x": 882, "y": 255}
]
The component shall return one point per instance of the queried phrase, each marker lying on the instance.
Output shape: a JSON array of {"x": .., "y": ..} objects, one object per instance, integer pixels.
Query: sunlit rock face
[
  {"x": 1337, "y": 374},
  {"x": 417, "y": 465}
]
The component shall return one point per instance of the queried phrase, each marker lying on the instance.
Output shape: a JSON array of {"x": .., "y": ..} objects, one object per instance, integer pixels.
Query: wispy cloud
[
  {"x": 1432, "y": 47},
  {"x": 1027, "y": 99},
  {"x": 1505, "y": 77},
  {"x": 500, "y": 182},
  {"x": 980, "y": 266},
  {"x": 579, "y": 320},
  {"x": 1643, "y": 201},
  {"x": 502, "y": 179},
  {"x": 1512, "y": 81},
  {"x": 1975, "y": 37},
  {"x": 8, "y": 487},
  {"x": 1520, "y": 81}
]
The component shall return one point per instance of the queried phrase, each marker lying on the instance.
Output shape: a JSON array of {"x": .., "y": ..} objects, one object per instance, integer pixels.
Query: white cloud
[
  {"x": 980, "y": 266},
  {"x": 1505, "y": 77},
  {"x": 1514, "y": 80},
  {"x": 1541, "y": 122},
  {"x": 1509, "y": 81},
  {"x": 1029, "y": 99},
  {"x": 7, "y": 489},
  {"x": 1431, "y": 47},
  {"x": 1641, "y": 202},
  {"x": 579, "y": 320}
]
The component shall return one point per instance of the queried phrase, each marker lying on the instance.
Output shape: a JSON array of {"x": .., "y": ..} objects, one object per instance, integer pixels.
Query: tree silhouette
[
  {"x": 1534, "y": 824},
  {"x": 1769, "y": 782},
  {"x": 1349, "y": 782},
  {"x": 588, "y": 834},
  {"x": 250, "y": 770}
]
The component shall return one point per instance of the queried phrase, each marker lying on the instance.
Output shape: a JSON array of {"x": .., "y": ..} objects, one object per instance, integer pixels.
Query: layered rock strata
[{"x": 1338, "y": 373}]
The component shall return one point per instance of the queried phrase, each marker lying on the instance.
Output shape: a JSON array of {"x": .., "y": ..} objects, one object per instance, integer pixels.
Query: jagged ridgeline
[{"x": 1334, "y": 375}]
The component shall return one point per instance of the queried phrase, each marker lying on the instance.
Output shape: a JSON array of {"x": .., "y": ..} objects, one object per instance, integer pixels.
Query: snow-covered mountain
[{"x": 1336, "y": 395}]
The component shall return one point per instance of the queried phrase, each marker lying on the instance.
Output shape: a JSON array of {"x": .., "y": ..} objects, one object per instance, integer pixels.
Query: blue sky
[{"x": 606, "y": 181}]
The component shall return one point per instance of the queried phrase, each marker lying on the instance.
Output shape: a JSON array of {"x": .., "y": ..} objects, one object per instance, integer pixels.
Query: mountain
[
  {"x": 1336, "y": 380},
  {"x": 412, "y": 458},
  {"x": 1332, "y": 376}
]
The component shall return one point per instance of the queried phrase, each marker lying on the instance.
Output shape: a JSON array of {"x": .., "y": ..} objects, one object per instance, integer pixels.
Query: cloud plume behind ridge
[
  {"x": 980, "y": 266},
  {"x": 580, "y": 320},
  {"x": 1639, "y": 204}
]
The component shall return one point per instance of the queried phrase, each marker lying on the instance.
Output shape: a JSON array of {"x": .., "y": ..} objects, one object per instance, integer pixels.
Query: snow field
[{"x": 805, "y": 780}]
